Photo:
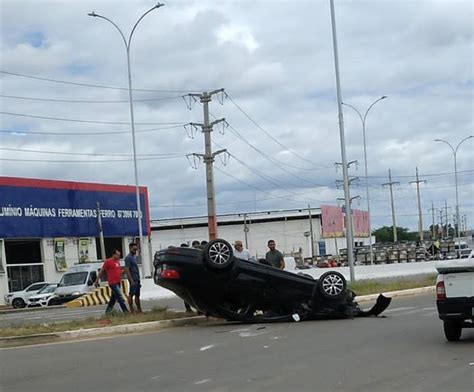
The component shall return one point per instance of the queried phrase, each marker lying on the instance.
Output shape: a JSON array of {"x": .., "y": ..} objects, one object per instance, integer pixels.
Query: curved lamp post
[
  {"x": 363, "y": 121},
  {"x": 130, "y": 94},
  {"x": 455, "y": 151}
]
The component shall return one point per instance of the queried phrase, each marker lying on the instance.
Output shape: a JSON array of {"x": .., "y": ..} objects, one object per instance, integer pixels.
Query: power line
[
  {"x": 267, "y": 133},
  {"x": 262, "y": 190},
  {"x": 87, "y": 84},
  {"x": 426, "y": 175},
  {"x": 88, "y": 161},
  {"x": 88, "y": 133},
  {"x": 88, "y": 154},
  {"x": 273, "y": 161},
  {"x": 85, "y": 121},
  {"x": 88, "y": 101}
]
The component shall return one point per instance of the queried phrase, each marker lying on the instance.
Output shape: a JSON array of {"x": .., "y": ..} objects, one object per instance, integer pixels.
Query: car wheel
[
  {"x": 452, "y": 330},
  {"x": 54, "y": 301},
  {"x": 332, "y": 285},
  {"x": 18, "y": 303},
  {"x": 218, "y": 254}
]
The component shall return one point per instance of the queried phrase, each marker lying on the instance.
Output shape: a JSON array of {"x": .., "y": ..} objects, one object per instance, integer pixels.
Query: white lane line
[
  {"x": 430, "y": 314},
  {"x": 399, "y": 309},
  {"x": 251, "y": 334},
  {"x": 207, "y": 347},
  {"x": 202, "y": 381},
  {"x": 240, "y": 330}
]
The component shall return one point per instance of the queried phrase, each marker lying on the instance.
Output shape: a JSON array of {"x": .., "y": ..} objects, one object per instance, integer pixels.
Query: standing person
[
  {"x": 240, "y": 252},
  {"x": 274, "y": 257},
  {"x": 114, "y": 271},
  {"x": 132, "y": 266}
]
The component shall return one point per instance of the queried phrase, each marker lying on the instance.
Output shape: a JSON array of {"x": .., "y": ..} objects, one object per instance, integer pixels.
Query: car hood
[
  {"x": 65, "y": 290},
  {"x": 40, "y": 296}
]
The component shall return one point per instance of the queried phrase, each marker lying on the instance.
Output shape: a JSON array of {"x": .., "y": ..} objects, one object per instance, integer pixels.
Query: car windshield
[
  {"x": 48, "y": 289},
  {"x": 74, "y": 278}
]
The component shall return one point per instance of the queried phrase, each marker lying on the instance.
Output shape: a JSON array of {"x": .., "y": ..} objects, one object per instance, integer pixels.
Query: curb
[
  {"x": 395, "y": 294},
  {"x": 33, "y": 309},
  {"x": 16, "y": 341}
]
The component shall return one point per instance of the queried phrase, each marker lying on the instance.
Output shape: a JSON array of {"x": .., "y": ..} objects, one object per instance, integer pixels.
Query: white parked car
[
  {"x": 43, "y": 296},
  {"x": 455, "y": 295},
  {"x": 19, "y": 299}
]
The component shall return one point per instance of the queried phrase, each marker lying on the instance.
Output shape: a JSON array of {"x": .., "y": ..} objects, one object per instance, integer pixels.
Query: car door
[{"x": 33, "y": 289}]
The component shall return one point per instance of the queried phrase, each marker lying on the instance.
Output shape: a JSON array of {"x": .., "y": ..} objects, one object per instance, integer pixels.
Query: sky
[{"x": 65, "y": 113}]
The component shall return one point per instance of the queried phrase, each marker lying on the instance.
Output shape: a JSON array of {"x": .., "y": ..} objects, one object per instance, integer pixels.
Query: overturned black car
[{"x": 218, "y": 284}]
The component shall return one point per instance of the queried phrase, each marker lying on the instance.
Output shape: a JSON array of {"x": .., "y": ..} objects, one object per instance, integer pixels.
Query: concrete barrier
[{"x": 100, "y": 296}]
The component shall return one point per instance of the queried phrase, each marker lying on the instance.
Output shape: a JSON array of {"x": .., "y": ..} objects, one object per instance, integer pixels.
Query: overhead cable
[
  {"x": 89, "y": 85},
  {"x": 89, "y": 101},
  {"x": 86, "y": 121}
]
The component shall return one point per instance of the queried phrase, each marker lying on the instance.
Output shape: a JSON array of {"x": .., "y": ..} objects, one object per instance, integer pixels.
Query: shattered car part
[{"x": 216, "y": 283}]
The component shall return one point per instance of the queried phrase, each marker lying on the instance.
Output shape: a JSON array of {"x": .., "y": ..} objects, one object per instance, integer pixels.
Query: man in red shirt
[{"x": 114, "y": 270}]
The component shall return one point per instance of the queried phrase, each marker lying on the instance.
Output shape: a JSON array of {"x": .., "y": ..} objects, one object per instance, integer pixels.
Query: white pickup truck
[{"x": 455, "y": 295}]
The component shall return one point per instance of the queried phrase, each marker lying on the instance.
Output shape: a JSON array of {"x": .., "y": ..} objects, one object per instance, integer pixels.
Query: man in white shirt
[{"x": 240, "y": 252}]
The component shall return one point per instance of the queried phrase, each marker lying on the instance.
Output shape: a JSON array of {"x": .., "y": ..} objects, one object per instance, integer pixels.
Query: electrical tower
[
  {"x": 420, "y": 215},
  {"x": 208, "y": 158},
  {"x": 394, "y": 223}
]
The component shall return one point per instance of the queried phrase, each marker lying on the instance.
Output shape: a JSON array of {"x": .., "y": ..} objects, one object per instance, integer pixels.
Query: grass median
[
  {"x": 374, "y": 286},
  {"x": 156, "y": 314}
]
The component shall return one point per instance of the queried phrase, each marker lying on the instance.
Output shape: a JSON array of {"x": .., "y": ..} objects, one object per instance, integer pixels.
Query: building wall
[
  {"x": 71, "y": 253},
  {"x": 289, "y": 235}
]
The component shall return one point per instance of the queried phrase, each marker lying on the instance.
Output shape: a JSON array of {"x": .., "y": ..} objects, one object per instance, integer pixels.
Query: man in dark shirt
[
  {"x": 274, "y": 257},
  {"x": 132, "y": 266}
]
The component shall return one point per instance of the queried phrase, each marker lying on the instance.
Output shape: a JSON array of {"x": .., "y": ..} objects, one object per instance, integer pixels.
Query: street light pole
[
  {"x": 132, "y": 118},
  {"x": 455, "y": 152},
  {"x": 347, "y": 195},
  {"x": 363, "y": 120}
]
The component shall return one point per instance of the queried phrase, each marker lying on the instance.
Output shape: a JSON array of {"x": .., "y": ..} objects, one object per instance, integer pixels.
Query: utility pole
[
  {"x": 246, "y": 231},
  {"x": 390, "y": 183},
  {"x": 420, "y": 215},
  {"x": 432, "y": 209},
  {"x": 446, "y": 217},
  {"x": 347, "y": 193},
  {"x": 208, "y": 158},
  {"x": 101, "y": 233},
  {"x": 335, "y": 241},
  {"x": 311, "y": 231}
]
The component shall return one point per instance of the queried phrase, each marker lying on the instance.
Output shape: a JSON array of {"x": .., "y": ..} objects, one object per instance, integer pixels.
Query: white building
[{"x": 289, "y": 228}]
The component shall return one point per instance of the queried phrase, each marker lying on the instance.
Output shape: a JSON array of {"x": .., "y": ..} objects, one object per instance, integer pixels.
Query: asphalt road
[
  {"x": 52, "y": 314},
  {"x": 405, "y": 351}
]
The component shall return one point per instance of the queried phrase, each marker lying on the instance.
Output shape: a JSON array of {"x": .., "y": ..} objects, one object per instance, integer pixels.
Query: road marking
[
  {"x": 251, "y": 334},
  {"x": 206, "y": 347},
  {"x": 202, "y": 381},
  {"x": 239, "y": 330},
  {"x": 399, "y": 309}
]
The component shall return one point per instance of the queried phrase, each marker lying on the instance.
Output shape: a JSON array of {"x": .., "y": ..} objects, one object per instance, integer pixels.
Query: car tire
[
  {"x": 332, "y": 285},
  {"x": 218, "y": 254},
  {"x": 18, "y": 303},
  {"x": 54, "y": 302},
  {"x": 452, "y": 330}
]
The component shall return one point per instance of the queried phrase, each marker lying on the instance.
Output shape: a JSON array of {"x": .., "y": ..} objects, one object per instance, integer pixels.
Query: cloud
[{"x": 275, "y": 61}]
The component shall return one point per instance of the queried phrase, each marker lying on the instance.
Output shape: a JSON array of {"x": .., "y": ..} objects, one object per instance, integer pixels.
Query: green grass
[
  {"x": 364, "y": 287},
  {"x": 155, "y": 314}
]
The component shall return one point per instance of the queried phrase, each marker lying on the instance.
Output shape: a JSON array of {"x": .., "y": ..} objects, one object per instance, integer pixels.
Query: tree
[{"x": 385, "y": 234}]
